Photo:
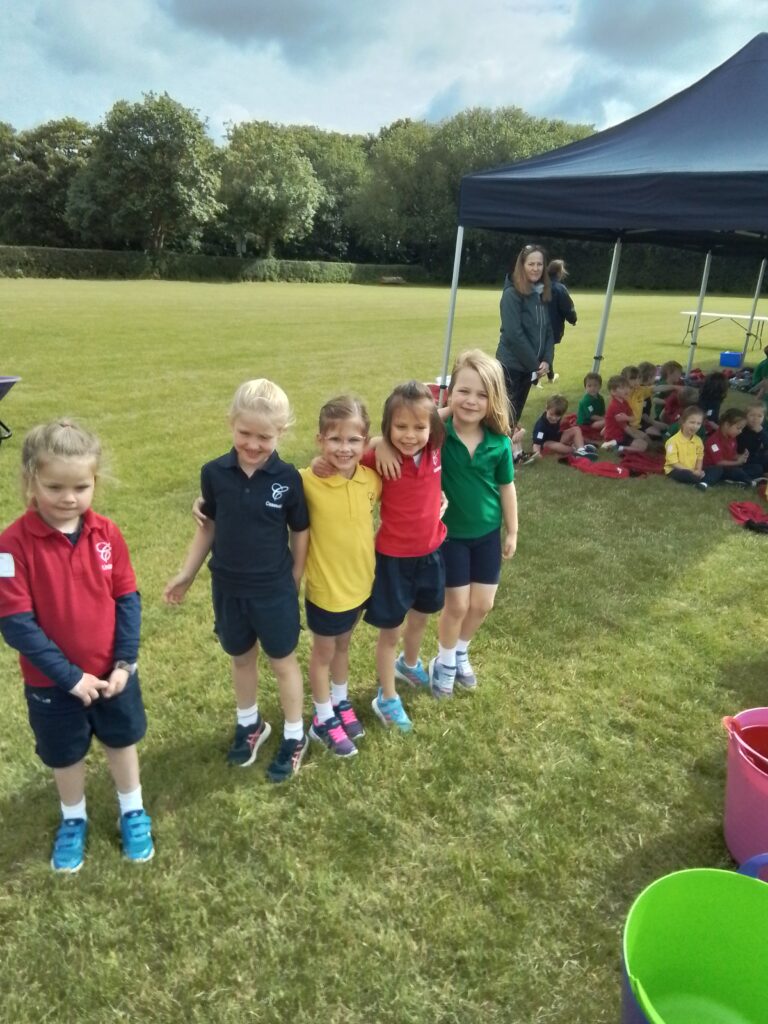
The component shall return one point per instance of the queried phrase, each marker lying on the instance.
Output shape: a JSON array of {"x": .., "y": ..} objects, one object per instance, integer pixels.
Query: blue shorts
[
  {"x": 404, "y": 583},
  {"x": 240, "y": 622},
  {"x": 64, "y": 726},
  {"x": 324, "y": 623},
  {"x": 477, "y": 560}
]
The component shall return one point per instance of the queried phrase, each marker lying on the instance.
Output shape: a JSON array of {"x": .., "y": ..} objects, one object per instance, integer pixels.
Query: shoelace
[
  {"x": 347, "y": 716},
  {"x": 337, "y": 734}
]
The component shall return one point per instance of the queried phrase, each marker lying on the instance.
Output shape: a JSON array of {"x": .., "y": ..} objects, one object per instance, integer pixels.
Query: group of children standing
[
  {"x": 702, "y": 445},
  {"x": 444, "y": 480}
]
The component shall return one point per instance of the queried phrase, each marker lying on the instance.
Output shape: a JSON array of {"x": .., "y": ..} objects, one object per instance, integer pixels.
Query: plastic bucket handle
[{"x": 733, "y": 727}]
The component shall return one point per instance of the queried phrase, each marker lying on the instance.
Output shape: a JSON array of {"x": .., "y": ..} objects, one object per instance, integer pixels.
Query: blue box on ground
[{"x": 730, "y": 359}]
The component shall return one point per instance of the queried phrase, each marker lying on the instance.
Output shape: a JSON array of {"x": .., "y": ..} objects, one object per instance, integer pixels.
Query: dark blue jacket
[{"x": 561, "y": 308}]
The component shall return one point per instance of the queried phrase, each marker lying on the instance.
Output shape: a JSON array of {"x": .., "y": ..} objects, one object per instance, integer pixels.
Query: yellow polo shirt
[
  {"x": 682, "y": 451},
  {"x": 636, "y": 399},
  {"x": 340, "y": 559}
]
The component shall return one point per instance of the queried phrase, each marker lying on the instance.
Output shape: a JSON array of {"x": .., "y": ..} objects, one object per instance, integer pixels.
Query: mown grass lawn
[{"x": 477, "y": 871}]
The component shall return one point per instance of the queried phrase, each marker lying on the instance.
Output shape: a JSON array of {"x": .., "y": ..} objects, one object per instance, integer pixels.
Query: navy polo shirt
[
  {"x": 544, "y": 431},
  {"x": 250, "y": 554}
]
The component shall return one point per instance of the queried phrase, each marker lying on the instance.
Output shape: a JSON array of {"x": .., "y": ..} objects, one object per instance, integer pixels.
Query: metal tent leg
[
  {"x": 699, "y": 307},
  {"x": 750, "y": 336},
  {"x": 607, "y": 306},
  {"x": 451, "y": 313}
]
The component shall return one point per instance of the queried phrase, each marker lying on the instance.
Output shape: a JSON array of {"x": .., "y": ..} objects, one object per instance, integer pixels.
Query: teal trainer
[
  {"x": 413, "y": 676},
  {"x": 441, "y": 679},
  {"x": 136, "y": 833},
  {"x": 69, "y": 845},
  {"x": 465, "y": 677},
  {"x": 391, "y": 712}
]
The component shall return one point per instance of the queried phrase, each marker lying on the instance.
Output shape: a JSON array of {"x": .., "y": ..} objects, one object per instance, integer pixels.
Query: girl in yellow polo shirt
[
  {"x": 684, "y": 452},
  {"x": 340, "y": 566}
]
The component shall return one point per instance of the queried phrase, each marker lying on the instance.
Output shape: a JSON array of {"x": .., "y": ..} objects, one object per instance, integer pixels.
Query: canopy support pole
[
  {"x": 699, "y": 307},
  {"x": 759, "y": 288},
  {"x": 607, "y": 306},
  {"x": 451, "y": 313}
]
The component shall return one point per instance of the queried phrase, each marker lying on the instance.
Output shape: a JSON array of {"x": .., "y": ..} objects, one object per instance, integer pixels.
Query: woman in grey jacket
[{"x": 526, "y": 343}]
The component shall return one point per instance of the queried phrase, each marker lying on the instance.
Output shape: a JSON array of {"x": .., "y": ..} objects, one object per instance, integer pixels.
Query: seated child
[
  {"x": 669, "y": 383},
  {"x": 620, "y": 433},
  {"x": 591, "y": 411},
  {"x": 760, "y": 376},
  {"x": 676, "y": 401},
  {"x": 713, "y": 390},
  {"x": 684, "y": 452},
  {"x": 642, "y": 398},
  {"x": 549, "y": 436},
  {"x": 754, "y": 437},
  {"x": 720, "y": 450}
]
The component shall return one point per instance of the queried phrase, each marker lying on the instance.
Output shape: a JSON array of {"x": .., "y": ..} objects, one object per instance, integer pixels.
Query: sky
[{"x": 358, "y": 65}]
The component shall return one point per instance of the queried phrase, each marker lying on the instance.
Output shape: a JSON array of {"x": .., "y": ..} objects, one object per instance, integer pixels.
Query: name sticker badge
[{"x": 7, "y": 567}]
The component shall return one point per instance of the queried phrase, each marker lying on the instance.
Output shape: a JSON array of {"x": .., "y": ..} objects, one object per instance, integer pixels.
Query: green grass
[{"x": 477, "y": 871}]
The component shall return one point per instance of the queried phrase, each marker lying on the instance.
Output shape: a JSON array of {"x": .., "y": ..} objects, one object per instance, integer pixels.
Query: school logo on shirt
[
  {"x": 278, "y": 492},
  {"x": 7, "y": 566},
  {"x": 436, "y": 461},
  {"x": 104, "y": 551}
]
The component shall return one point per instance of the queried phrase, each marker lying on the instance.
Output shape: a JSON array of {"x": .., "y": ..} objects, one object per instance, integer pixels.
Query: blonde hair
[
  {"x": 491, "y": 374},
  {"x": 59, "y": 439},
  {"x": 261, "y": 397}
]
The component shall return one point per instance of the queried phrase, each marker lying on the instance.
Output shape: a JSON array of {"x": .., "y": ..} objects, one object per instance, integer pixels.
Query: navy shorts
[
  {"x": 472, "y": 561},
  {"x": 404, "y": 583},
  {"x": 325, "y": 623},
  {"x": 240, "y": 622},
  {"x": 64, "y": 726}
]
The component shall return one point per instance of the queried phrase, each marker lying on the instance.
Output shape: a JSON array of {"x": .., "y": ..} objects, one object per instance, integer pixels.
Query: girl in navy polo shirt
[
  {"x": 409, "y": 582},
  {"x": 69, "y": 605}
]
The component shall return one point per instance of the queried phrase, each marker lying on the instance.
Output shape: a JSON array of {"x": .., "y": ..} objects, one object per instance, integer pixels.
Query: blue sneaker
[
  {"x": 441, "y": 679},
  {"x": 416, "y": 677},
  {"x": 391, "y": 712},
  {"x": 288, "y": 759},
  {"x": 69, "y": 845},
  {"x": 136, "y": 832},
  {"x": 465, "y": 676},
  {"x": 332, "y": 734},
  {"x": 248, "y": 739}
]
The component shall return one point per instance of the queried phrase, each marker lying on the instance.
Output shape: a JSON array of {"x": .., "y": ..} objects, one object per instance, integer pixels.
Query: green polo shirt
[
  {"x": 471, "y": 485},
  {"x": 589, "y": 406}
]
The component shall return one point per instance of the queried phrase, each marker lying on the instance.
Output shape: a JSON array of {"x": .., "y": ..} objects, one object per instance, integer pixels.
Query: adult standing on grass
[
  {"x": 561, "y": 307},
  {"x": 526, "y": 343}
]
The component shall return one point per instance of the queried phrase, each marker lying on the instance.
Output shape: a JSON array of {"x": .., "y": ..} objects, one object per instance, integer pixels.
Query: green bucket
[{"x": 696, "y": 949}]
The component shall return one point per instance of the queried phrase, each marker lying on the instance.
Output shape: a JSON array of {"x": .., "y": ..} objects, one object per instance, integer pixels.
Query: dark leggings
[
  {"x": 687, "y": 476},
  {"x": 518, "y": 385}
]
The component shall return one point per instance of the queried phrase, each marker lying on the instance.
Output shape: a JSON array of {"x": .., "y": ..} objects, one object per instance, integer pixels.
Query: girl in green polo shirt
[{"x": 478, "y": 480}]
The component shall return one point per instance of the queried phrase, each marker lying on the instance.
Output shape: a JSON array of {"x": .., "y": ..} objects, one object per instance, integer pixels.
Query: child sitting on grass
[
  {"x": 591, "y": 410},
  {"x": 684, "y": 452},
  {"x": 711, "y": 396},
  {"x": 620, "y": 433},
  {"x": 676, "y": 401},
  {"x": 642, "y": 397},
  {"x": 721, "y": 450},
  {"x": 548, "y": 434},
  {"x": 754, "y": 437}
]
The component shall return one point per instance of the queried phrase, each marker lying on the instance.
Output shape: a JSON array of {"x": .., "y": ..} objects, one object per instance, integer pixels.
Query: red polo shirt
[
  {"x": 70, "y": 589},
  {"x": 410, "y": 507},
  {"x": 616, "y": 429},
  {"x": 719, "y": 449}
]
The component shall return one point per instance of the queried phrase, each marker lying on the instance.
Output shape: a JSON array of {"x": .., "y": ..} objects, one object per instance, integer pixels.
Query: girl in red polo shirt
[
  {"x": 69, "y": 606},
  {"x": 721, "y": 450},
  {"x": 409, "y": 583}
]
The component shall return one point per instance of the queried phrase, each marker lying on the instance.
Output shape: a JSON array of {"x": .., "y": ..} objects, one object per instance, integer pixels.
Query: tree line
[{"x": 149, "y": 177}]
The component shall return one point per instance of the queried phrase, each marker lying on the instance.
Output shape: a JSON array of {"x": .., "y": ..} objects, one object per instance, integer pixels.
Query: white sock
[
  {"x": 248, "y": 716},
  {"x": 74, "y": 810},
  {"x": 293, "y": 730},
  {"x": 446, "y": 656},
  {"x": 323, "y": 711},
  {"x": 130, "y": 801},
  {"x": 339, "y": 692},
  {"x": 415, "y": 665},
  {"x": 462, "y": 650}
]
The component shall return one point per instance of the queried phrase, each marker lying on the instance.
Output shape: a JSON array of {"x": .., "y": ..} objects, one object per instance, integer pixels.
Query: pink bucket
[{"x": 746, "y": 790}]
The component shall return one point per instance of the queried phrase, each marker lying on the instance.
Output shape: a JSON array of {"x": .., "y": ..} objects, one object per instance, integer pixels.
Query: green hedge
[{"x": 39, "y": 261}]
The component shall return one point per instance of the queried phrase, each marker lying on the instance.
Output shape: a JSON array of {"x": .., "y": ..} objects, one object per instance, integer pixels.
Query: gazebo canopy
[{"x": 691, "y": 172}]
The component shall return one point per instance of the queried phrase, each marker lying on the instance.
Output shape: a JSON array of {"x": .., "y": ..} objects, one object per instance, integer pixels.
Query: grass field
[{"x": 479, "y": 870}]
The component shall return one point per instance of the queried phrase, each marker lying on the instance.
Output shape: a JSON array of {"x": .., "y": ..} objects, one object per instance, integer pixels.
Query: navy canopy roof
[{"x": 690, "y": 172}]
